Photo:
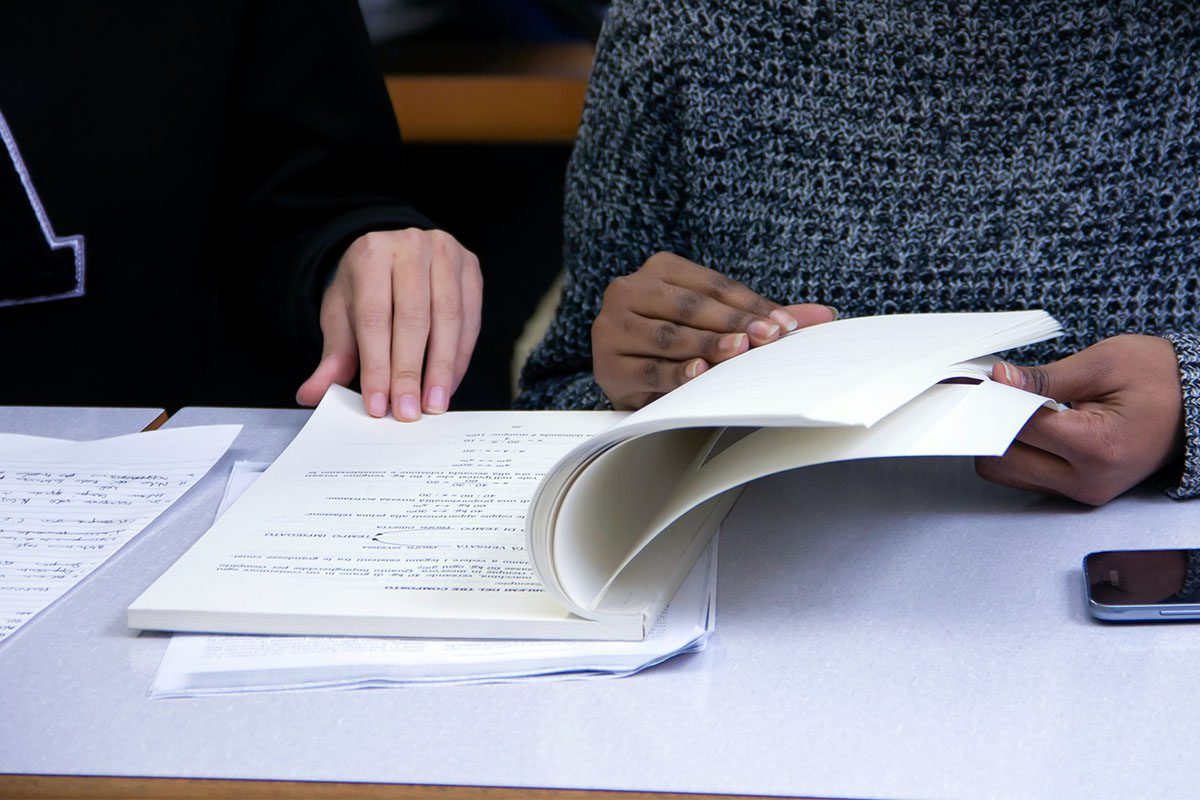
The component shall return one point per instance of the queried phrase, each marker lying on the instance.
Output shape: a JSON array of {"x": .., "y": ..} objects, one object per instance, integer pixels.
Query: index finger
[{"x": 1064, "y": 433}]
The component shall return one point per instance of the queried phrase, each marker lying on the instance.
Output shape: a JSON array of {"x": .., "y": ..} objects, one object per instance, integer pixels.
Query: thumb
[
  {"x": 1066, "y": 381},
  {"x": 339, "y": 362}
]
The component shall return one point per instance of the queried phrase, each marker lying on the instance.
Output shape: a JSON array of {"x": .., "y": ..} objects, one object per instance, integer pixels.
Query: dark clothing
[{"x": 216, "y": 158}]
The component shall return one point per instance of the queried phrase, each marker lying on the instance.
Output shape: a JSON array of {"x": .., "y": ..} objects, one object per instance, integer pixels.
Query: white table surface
[
  {"x": 891, "y": 629},
  {"x": 65, "y": 422}
]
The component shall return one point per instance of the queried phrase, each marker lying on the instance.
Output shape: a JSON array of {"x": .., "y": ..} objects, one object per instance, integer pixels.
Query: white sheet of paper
[
  {"x": 855, "y": 371},
  {"x": 360, "y": 517},
  {"x": 197, "y": 664},
  {"x": 66, "y": 507}
]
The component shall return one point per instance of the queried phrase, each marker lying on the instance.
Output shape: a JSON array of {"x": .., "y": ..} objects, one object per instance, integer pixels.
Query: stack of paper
[{"x": 201, "y": 665}]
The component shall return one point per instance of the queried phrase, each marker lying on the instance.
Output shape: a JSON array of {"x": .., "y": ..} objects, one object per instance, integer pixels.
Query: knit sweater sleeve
[
  {"x": 623, "y": 194},
  {"x": 1184, "y": 482}
]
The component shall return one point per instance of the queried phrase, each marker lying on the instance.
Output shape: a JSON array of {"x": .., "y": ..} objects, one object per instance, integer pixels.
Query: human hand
[
  {"x": 1125, "y": 421},
  {"x": 672, "y": 319},
  {"x": 405, "y": 304}
]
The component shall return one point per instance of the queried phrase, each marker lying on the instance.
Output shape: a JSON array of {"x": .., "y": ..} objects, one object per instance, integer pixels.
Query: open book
[{"x": 567, "y": 525}]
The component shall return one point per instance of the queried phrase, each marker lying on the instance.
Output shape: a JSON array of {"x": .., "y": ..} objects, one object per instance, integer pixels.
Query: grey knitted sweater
[{"x": 886, "y": 157}]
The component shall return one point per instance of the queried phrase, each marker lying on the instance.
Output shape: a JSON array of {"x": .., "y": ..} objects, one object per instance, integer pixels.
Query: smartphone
[{"x": 1142, "y": 585}]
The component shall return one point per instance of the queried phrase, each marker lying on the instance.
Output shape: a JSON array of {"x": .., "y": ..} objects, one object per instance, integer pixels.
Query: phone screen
[{"x": 1143, "y": 577}]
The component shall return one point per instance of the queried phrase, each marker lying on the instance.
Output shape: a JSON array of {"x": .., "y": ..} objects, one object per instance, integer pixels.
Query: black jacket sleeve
[{"x": 315, "y": 156}]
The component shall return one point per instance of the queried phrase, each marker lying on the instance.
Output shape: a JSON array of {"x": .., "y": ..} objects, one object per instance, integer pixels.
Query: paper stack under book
[{"x": 372, "y": 527}]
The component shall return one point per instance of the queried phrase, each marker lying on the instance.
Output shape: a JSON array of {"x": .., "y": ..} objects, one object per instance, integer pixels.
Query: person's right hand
[
  {"x": 672, "y": 319},
  {"x": 406, "y": 304}
]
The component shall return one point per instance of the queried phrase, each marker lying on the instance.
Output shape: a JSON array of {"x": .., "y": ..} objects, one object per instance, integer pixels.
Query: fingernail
[
  {"x": 763, "y": 329},
  {"x": 298, "y": 399},
  {"x": 377, "y": 404},
  {"x": 1013, "y": 375},
  {"x": 785, "y": 319},
  {"x": 836, "y": 314},
  {"x": 695, "y": 367},
  {"x": 410, "y": 409},
  {"x": 732, "y": 342},
  {"x": 435, "y": 400}
]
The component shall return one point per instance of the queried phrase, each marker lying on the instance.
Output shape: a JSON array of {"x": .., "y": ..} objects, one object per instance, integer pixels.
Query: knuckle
[
  {"x": 659, "y": 261},
  {"x": 373, "y": 319},
  {"x": 722, "y": 284},
  {"x": 372, "y": 244},
  {"x": 738, "y": 321},
  {"x": 617, "y": 289},
  {"x": 761, "y": 307},
  {"x": 413, "y": 240},
  {"x": 665, "y": 335},
  {"x": 687, "y": 304},
  {"x": 366, "y": 256},
  {"x": 448, "y": 312},
  {"x": 449, "y": 306},
  {"x": 415, "y": 317},
  {"x": 710, "y": 345},
  {"x": 442, "y": 243},
  {"x": 375, "y": 368},
  {"x": 403, "y": 378},
  {"x": 650, "y": 375},
  {"x": 471, "y": 263}
]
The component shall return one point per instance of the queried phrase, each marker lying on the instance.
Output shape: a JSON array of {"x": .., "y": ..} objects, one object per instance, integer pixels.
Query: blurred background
[{"x": 488, "y": 95}]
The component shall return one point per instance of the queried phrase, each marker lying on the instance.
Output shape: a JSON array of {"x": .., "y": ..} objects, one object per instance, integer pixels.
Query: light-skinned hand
[
  {"x": 1125, "y": 421},
  {"x": 673, "y": 319},
  {"x": 404, "y": 308}
]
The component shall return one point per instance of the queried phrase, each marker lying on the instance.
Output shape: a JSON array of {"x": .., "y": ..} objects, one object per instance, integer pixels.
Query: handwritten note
[{"x": 66, "y": 507}]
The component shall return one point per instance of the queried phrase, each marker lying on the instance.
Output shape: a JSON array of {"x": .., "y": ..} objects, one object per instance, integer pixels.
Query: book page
[
  {"x": 849, "y": 372},
  {"x": 645, "y": 536},
  {"x": 66, "y": 507},
  {"x": 378, "y": 527}
]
